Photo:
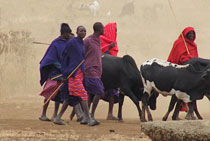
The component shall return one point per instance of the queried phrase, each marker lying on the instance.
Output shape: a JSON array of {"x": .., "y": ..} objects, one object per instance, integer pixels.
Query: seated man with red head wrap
[
  {"x": 109, "y": 46},
  {"x": 184, "y": 49},
  {"x": 179, "y": 53}
]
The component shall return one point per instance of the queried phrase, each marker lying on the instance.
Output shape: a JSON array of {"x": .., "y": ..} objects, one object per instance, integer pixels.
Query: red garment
[
  {"x": 108, "y": 37},
  {"x": 49, "y": 88},
  {"x": 76, "y": 87},
  {"x": 179, "y": 53}
]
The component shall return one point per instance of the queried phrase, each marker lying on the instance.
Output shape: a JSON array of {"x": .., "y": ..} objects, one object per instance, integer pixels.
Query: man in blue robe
[
  {"x": 50, "y": 69},
  {"x": 73, "y": 73}
]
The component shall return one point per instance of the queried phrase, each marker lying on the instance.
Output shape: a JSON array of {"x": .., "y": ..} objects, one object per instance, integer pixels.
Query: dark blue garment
[
  {"x": 64, "y": 94},
  {"x": 73, "y": 55},
  {"x": 50, "y": 65}
]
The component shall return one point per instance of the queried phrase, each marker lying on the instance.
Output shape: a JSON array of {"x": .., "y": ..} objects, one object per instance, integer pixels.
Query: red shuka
[
  {"x": 108, "y": 37},
  {"x": 179, "y": 54}
]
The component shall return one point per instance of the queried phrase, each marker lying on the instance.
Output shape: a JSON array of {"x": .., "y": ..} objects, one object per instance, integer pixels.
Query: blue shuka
[
  {"x": 50, "y": 65},
  {"x": 73, "y": 54}
]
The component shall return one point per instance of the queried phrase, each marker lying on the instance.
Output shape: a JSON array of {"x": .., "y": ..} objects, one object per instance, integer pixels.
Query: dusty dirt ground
[
  {"x": 146, "y": 33},
  {"x": 19, "y": 121}
]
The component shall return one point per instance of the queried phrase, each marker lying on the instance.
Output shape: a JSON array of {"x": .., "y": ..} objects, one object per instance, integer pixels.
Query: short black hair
[
  {"x": 79, "y": 27},
  {"x": 97, "y": 26},
  {"x": 65, "y": 28}
]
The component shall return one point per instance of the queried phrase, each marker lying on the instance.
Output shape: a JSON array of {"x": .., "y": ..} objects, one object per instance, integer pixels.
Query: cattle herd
[{"x": 185, "y": 83}]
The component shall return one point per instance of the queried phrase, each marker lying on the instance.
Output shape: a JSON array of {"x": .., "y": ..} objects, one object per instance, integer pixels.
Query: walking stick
[
  {"x": 41, "y": 43},
  {"x": 62, "y": 82},
  {"x": 177, "y": 25}
]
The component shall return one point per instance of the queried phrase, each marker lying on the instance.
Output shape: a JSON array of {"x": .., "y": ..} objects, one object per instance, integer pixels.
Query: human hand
[{"x": 111, "y": 45}]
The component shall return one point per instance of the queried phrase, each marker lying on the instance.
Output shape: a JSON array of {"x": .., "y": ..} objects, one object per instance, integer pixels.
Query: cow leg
[
  {"x": 170, "y": 108},
  {"x": 190, "y": 115},
  {"x": 196, "y": 110},
  {"x": 136, "y": 102},
  {"x": 121, "y": 101},
  {"x": 178, "y": 107},
  {"x": 144, "y": 105}
]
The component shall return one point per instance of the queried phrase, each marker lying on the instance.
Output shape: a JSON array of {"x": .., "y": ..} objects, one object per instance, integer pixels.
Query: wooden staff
[
  {"x": 41, "y": 43},
  {"x": 177, "y": 25},
  {"x": 56, "y": 76},
  {"x": 62, "y": 82}
]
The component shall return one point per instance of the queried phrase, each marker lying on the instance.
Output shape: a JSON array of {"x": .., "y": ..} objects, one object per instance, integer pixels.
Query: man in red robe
[{"x": 184, "y": 49}]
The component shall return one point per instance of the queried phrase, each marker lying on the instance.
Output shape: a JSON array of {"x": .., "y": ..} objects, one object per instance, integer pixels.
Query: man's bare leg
[
  {"x": 86, "y": 118},
  {"x": 43, "y": 116},
  {"x": 58, "y": 120},
  {"x": 57, "y": 104},
  {"x": 79, "y": 112},
  {"x": 94, "y": 105}
]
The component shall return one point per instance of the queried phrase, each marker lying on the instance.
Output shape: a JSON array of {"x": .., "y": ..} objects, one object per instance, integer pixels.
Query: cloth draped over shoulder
[
  {"x": 50, "y": 65},
  {"x": 93, "y": 61},
  {"x": 73, "y": 55},
  {"x": 108, "y": 37},
  {"x": 179, "y": 54}
]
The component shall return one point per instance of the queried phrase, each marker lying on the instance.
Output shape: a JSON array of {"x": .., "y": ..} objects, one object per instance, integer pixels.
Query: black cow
[
  {"x": 166, "y": 78},
  {"x": 199, "y": 64},
  {"x": 122, "y": 73}
]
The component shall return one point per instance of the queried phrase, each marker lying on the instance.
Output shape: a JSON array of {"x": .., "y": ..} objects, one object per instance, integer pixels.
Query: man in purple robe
[
  {"x": 93, "y": 67},
  {"x": 73, "y": 73},
  {"x": 50, "y": 69}
]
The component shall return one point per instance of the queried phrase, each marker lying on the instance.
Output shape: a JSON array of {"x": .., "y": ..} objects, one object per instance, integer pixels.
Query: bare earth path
[{"x": 19, "y": 121}]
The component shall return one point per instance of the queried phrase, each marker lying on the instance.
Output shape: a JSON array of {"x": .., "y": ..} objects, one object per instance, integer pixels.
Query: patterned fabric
[
  {"x": 49, "y": 87},
  {"x": 76, "y": 87}
]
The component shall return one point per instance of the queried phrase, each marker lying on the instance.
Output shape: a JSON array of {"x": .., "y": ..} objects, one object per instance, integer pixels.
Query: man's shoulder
[
  {"x": 58, "y": 41},
  {"x": 72, "y": 40},
  {"x": 87, "y": 39}
]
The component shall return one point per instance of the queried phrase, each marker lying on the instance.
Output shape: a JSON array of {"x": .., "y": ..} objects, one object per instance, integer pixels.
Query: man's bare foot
[
  {"x": 111, "y": 118},
  {"x": 44, "y": 118},
  {"x": 59, "y": 121},
  {"x": 52, "y": 119},
  {"x": 93, "y": 123}
]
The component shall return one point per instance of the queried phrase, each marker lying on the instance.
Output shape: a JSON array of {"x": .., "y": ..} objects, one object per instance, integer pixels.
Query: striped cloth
[
  {"x": 75, "y": 86},
  {"x": 49, "y": 87}
]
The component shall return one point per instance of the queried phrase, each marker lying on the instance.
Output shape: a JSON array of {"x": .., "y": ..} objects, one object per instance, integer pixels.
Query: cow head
[
  {"x": 152, "y": 100},
  {"x": 206, "y": 77}
]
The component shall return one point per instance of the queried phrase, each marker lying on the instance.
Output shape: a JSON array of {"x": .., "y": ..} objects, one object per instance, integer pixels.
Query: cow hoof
[
  {"x": 120, "y": 120},
  {"x": 164, "y": 119},
  {"x": 143, "y": 120},
  {"x": 200, "y": 118},
  {"x": 111, "y": 118},
  {"x": 150, "y": 119},
  {"x": 190, "y": 117}
]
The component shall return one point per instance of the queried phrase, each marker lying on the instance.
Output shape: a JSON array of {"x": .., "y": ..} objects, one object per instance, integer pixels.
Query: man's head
[
  {"x": 81, "y": 32},
  {"x": 98, "y": 28},
  {"x": 65, "y": 31},
  {"x": 191, "y": 35}
]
